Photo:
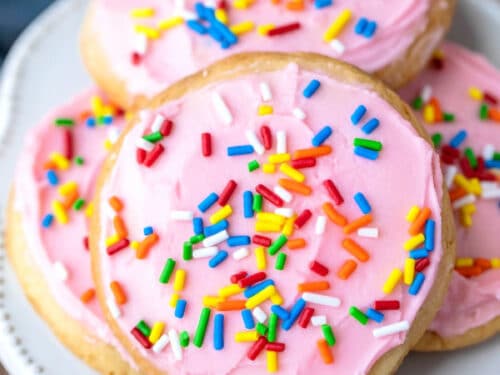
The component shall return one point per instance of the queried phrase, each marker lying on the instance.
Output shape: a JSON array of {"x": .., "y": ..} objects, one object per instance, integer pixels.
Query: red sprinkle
[
  {"x": 319, "y": 268},
  {"x": 333, "y": 191},
  {"x": 451, "y": 151},
  {"x": 302, "y": 218},
  {"x": 284, "y": 29},
  {"x": 269, "y": 195},
  {"x": 153, "y": 155},
  {"x": 140, "y": 155},
  {"x": 261, "y": 240},
  {"x": 256, "y": 348},
  {"x": 488, "y": 97},
  {"x": 120, "y": 245},
  {"x": 166, "y": 128},
  {"x": 305, "y": 317},
  {"x": 68, "y": 144},
  {"x": 466, "y": 168},
  {"x": 135, "y": 58},
  {"x": 227, "y": 192},
  {"x": 252, "y": 279},
  {"x": 86, "y": 242},
  {"x": 143, "y": 340},
  {"x": 422, "y": 264},
  {"x": 275, "y": 346},
  {"x": 386, "y": 305},
  {"x": 238, "y": 276},
  {"x": 267, "y": 138},
  {"x": 206, "y": 144},
  {"x": 303, "y": 163}
]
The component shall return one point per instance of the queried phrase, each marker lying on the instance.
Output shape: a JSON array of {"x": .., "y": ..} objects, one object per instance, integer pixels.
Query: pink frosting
[
  {"x": 180, "y": 51},
  {"x": 470, "y": 302},
  {"x": 181, "y": 178}
]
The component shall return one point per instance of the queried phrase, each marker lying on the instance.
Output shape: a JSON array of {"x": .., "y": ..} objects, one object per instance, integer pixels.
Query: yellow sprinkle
[
  {"x": 270, "y": 217},
  {"x": 89, "y": 210},
  {"x": 265, "y": 109},
  {"x": 289, "y": 227},
  {"x": 108, "y": 110},
  {"x": 230, "y": 290},
  {"x": 242, "y": 4},
  {"x": 148, "y": 31},
  {"x": 212, "y": 301},
  {"x": 463, "y": 182},
  {"x": 392, "y": 281},
  {"x": 221, "y": 16},
  {"x": 264, "y": 29},
  {"x": 414, "y": 241},
  {"x": 97, "y": 106},
  {"x": 464, "y": 262},
  {"x": 260, "y": 297},
  {"x": 409, "y": 273},
  {"x": 278, "y": 158},
  {"x": 246, "y": 336},
  {"x": 170, "y": 23},
  {"x": 173, "y": 300},
  {"x": 242, "y": 27},
  {"x": 466, "y": 220},
  {"x": 429, "y": 114},
  {"x": 260, "y": 258},
  {"x": 180, "y": 278},
  {"x": 276, "y": 299},
  {"x": 337, "y": 25},
  {"x": 111, "y": 240},
  {"x": 412, "y": 214},
  {"x": 468, "y": 209},
  {"x": 134, "y": 245},
  {"x": 272, "y": 361},
  {"x": 108, "y": 145},
  {"x": 495, "y": 262},
  {"x": 292, "y": 173},
  {"x": 475, "y": 93},
  {"x": 475, "y": 186},
  {"x": 59, "y": 212},
  {"x": 142, "y": 12},
  {"x": 269, "y": 168},
  {"x": 156, "y": 332},
  {"x": 221, "y": 214},
  {"x": 67, "y": 188},
  {"x": 61, "y": 161},
  {"x": 266, "y": 226}
]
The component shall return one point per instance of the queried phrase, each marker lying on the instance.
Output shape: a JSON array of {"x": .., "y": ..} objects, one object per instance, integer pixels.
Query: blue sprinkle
[
  {"x": 361, "y": 26},
  {"x": 418, "y": 254},
  {"x": 375, "y": 315},
  {"x": 370, "y": 126},
  {"x": 229, "y": 37},
  {"x": 294, "y": 314},
  {"x": 430, "y": 229},
  {"x": 247, "y": 204},
  {"x": 311, "y": 88},
  {"x": 362, "y": 203},
  {"x": 208, "y": 202},
  {"x": 282, "y": 313},
  {"x": 365, "y": 153},
  {"x": 217, "y": 259},
  {"x": 52, "y": 177},
  {"x": 216, "y": 228},
  {"x": 197, "y": 225},
  {"x": 318, "y": 4},
  {"x": 358, "y": 114},
  {"x": 90, "y": 122},
  {"x": 247, "y": 317},
  {"x": 492, "y": 164},
  {"x": 147, "y": 231},
  {"x": 107, "y": 120},
  {"x": 219, "y": 332},
  {"x": 238, "y": 241},
  {"x": 180, "y": 308},
  {"x": 321, "y": 136},
  {"x": 240, "y": 150},
  {"x": 254, "y": 289},
  {"x": 458, "y": 139},
  {"x": 201, "y": 10},
  {"x": 370, "y": 29},
  {"x": 216, "y": 34},
  {"x": 197, "y": 27},
  {"x": 416, "y": 284},
  {"x": 47, "y": 220}
]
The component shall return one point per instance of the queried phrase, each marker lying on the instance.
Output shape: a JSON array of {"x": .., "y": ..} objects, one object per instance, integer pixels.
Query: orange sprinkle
[
  {"x": 347, "y": 269},
  {"x": 355, "y": 250},
  {"x": 120, "y": 296},
  {"x": 333, "y": 215},
  {"x": 145, "y": 245},
  {"x": 49, "y": 164},
  {"x": 358, "y": 223},
  {"x": 469, "y": 271},
  {"x": 438, "y": 113},
  {"x": 296, "y": 243},
  {"x": 312, "y": 152},
  {"x": 324, "y": 350},
  {"x": 483, "y": 263},
  {"x": 88, "y": 295},
  {"x": 116, "y": 203},
  {"x": 417, "y": 226},
  {"x": 494, "y": 114},
  {"x": 457, "y": 193},
  {"x": 295, "y": 186},
  {"x": 70, "y": 199},
  {"x": 295, "y": 5},
  {"x": 237, "y": 304},
  {"x": 120, "y": 227},
  {"x": 84, "y": 115},
  {"x": 313, "y": 286}
]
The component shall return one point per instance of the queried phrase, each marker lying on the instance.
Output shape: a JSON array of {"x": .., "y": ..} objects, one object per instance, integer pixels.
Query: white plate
[{"x": 42, "y": 71}]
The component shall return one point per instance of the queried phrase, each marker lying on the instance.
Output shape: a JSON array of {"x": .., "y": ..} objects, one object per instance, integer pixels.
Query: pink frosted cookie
[
  {"x": 134, "y": 49},
  {"x": 47, "y": 225},
  {"x": 458, "y": 97},
  {"x": 265, "y": 203}
]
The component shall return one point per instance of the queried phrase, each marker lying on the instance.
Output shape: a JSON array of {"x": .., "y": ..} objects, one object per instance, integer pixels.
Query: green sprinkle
[
  {"x": 358, "y": 315},
  {"x": 328, "y": 334},
  {"x": 184, "y": 339},
  {"x": 368, "y": 143},
  {"x": 144, "y": 328},
  {"x": 417, "y": 103},
  {"x": 79, "y": 160},
  {"x": 187, "y": 251},
  {"x": 261, "y": 329},
  {"x": 101, "y": 120},
  {"x": 197, "y": 238},
  {"x": 277, "y": 244},
  {"x": 437, "y": 138},
  {"x": 273, "y": 325},
  {"x": 167, "y": 271},
  {"x": 496, "y": 156},
  {"x": 280, "y": 261},
  {"x": 257, "y": 203},
  {"x": 448, "y": 117},
  {"x": 64, "y": 122},
  {"x": 253, "y": 165},
  {"x": 79, "y": 204},
  {"x": 469, "y": 154},
  {"x": 483, "y": 112},
  {"x": 153, "y": 137},
  {"x": 199, "y": 336}
]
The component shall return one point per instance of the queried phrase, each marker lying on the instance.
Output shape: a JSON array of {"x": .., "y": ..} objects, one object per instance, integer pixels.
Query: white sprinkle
[
  {"x": 488, "y": 152},
  {"x": 157, "y": 122},
  {"x": 113, "y": 308},
  {"x": 221, "y": 108},
  {"x": 113, "y": 134},
  {"x": 161, "y": 343},
  {"x": 205, "y": 252},
  {"x": 318, "y": 320},
  {"x": 259, "y": 314},
  {"x": 281, "y": 142},
  {"x": 143, "y": 144},
  {"x": 321, "y": 299},
  {"x": 265, "y": 92},
  {"x": 451, "y": 171},
  {"x": 368, "y": 232},
  {"x": 109, "y": 211},
  {"x": 283, "y": 194},
  {"x": 254, "y": 141},
  {"x": 337, "y": 46},
  {"x": 488, "y": 185},
  {"x": 468, "y": 199},
  {"x": 391, "y": 329},
  {"x": 187, "y": 15},
  {"x": 216, "y": 238},
  {"x": 491, "y": 193},
  {"x": 140, "y": 43},
  {"x": 175, "y": 344},
  {"x": 241, "y": 253},
  {"x": 283, "y": 211},
  {"x": 426, "y": 93},
  {"x": 181, "y": 215},
  {"x": 210, "y": 3},
  {"x": 60, "y": 271},
  {"x": 299, "y": 113},
  {"x": 320, "y": 225}
]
